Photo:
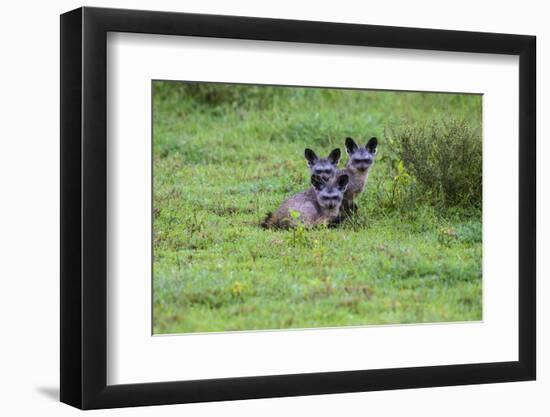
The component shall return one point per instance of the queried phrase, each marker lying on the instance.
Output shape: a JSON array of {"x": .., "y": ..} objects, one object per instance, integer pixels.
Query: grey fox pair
[{"x": 333, "y": 190}]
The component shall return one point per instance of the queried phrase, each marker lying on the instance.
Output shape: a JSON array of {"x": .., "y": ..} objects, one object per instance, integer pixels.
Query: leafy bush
[
  {"x": 444, "y": 158},
  {"x": 400, "y": 192}
]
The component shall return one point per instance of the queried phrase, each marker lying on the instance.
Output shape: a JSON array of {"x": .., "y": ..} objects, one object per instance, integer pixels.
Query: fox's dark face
[
  {"x": 330, "y": 193},
  {"x": 324, "y": 168},
  {"x": 361, "y": 158}
]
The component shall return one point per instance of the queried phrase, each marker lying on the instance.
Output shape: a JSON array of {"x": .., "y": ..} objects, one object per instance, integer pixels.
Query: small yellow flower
[{"x": 237, "y": 288}]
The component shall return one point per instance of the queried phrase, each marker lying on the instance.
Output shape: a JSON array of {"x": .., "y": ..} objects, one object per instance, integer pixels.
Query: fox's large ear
[
  {"x": 310, "y": 157},
  {"x": 351, "y": 146},
  {"x": 334, "y": 156},
  {"x": 342, "y": 182},
  {"x": 317, "y": 182},
  {"x": 372, "y": 144}
]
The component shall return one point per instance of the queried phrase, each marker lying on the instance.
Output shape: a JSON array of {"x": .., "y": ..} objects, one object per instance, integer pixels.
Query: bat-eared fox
[
  {"x": 331, "y": 196},
  {"x": 322, "y": 167},
  {"x": 361, "y": 159},
  {"x": 318, "y": 205}
]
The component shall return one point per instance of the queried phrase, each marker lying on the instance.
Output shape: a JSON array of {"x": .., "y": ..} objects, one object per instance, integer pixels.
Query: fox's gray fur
[
  {"x": 361, "y": 159},
  {"x": 322, "y": 167},
  {"x": 318, "y": 205}
]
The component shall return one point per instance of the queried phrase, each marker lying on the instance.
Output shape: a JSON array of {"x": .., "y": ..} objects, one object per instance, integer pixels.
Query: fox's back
[{"x": 303, "y": 203}]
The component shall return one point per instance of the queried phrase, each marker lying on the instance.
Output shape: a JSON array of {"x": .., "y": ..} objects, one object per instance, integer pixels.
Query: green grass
[{"x": 226, "y": 155}]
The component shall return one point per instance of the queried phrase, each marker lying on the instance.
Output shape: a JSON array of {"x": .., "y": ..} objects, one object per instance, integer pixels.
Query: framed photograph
[{"x": 258, "y": 208}]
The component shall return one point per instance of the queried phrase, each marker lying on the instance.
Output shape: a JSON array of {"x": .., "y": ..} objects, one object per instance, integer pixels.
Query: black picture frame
[{"x": 84, "y": 207}]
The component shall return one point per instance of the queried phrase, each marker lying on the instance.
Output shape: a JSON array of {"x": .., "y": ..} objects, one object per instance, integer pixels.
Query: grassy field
[{"x": 226, "y": 155}]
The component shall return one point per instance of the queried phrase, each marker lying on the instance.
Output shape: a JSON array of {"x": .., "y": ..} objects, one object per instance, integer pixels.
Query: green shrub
[
  {"x": 399, "y": 193},
  {"x": 445, "y": 158}
]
